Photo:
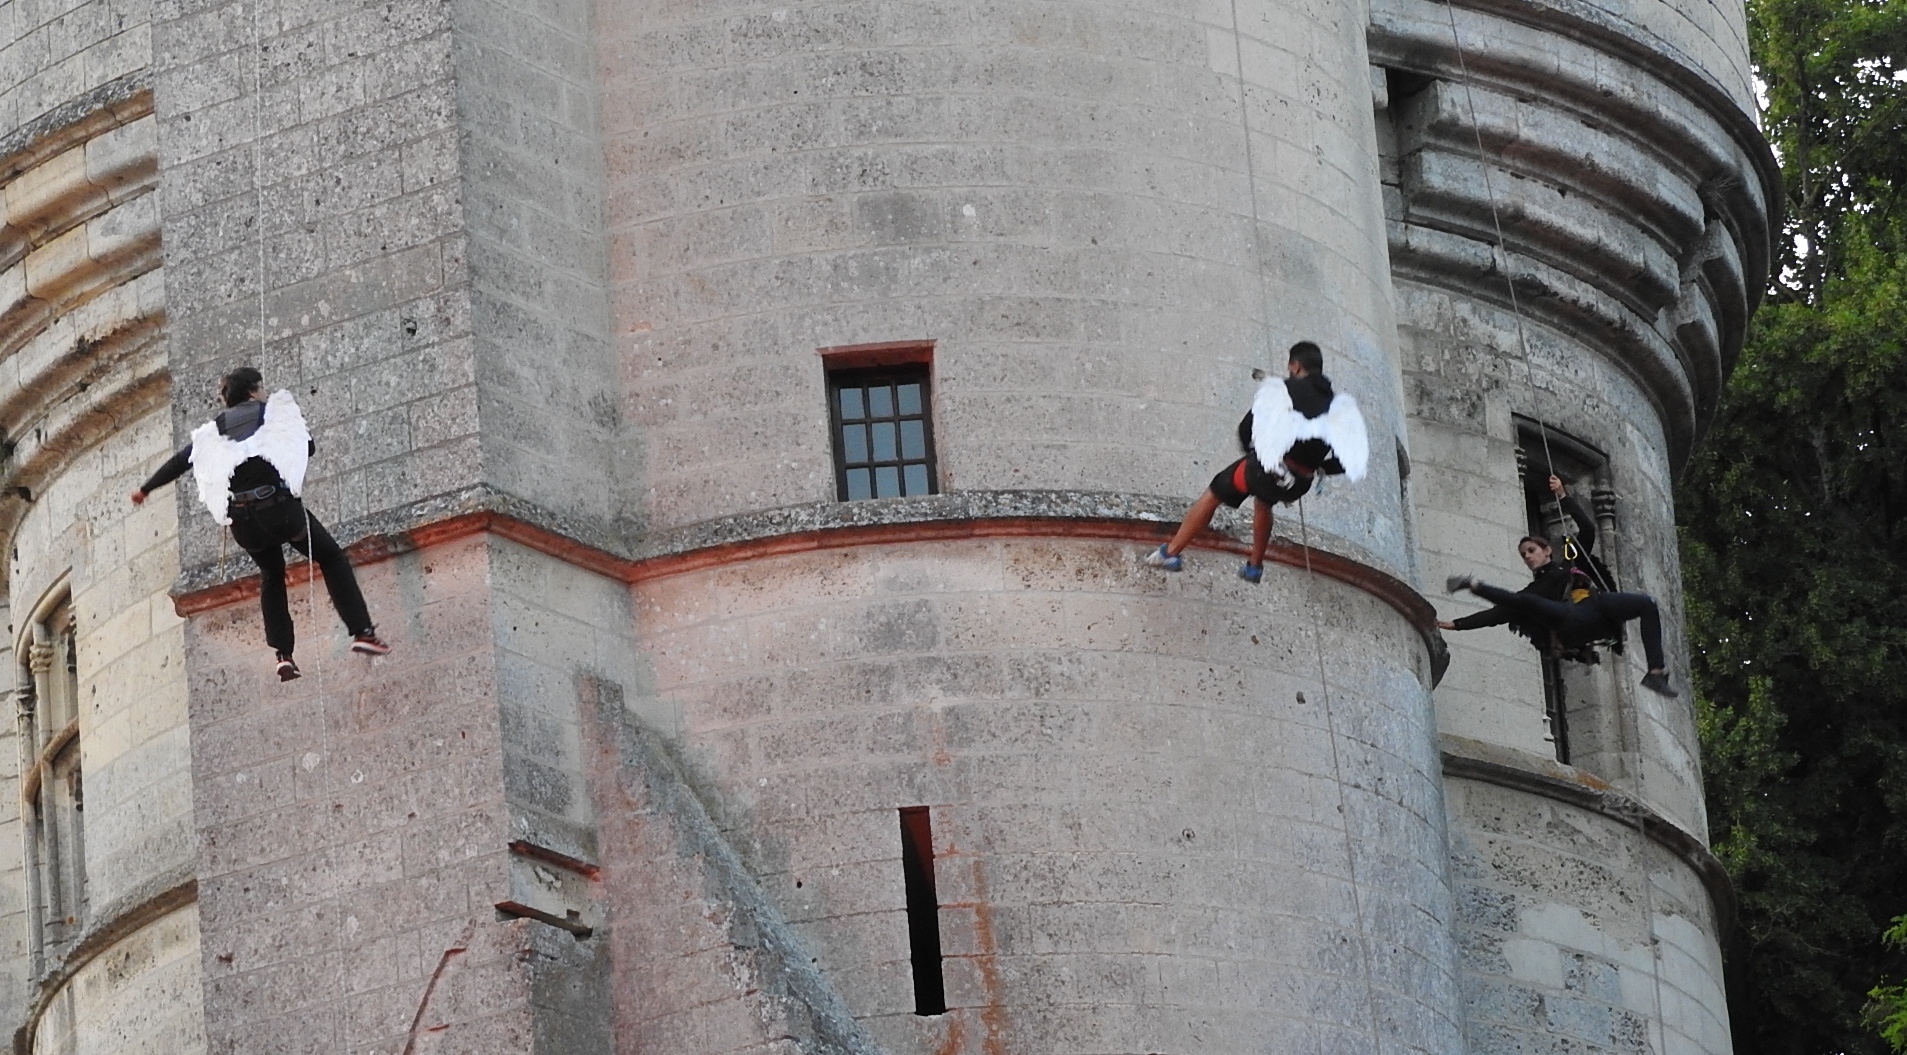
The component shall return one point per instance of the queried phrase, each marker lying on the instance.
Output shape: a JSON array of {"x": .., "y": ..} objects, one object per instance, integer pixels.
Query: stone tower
[{"x": 749, "y": 419}]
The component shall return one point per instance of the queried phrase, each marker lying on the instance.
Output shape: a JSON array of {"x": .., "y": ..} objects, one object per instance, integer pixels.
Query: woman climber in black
[
  {"x": 249, "y": 463},
  {"x": 1561, "y": 609}
]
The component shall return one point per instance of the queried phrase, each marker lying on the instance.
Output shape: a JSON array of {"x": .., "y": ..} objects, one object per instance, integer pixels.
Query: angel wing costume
[
  {"x": 1278, "y": 426},
  {"x": 281, "y": 439}
]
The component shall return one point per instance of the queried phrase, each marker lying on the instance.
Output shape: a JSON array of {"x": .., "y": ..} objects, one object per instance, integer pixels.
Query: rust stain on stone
[
  {"x": 993, "y": 1013},
  {"x": 956, "y": 1036}
]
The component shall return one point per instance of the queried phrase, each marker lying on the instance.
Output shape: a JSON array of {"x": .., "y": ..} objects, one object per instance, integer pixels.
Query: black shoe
[
  {"x": 369, "y": 644},
  {"x": 1658, "y": 683},
  {"x": 1459, "y": 582},
  {"x": 287, "y": 668}
]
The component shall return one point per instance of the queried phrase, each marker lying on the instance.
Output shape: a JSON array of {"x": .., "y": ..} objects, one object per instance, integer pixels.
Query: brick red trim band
[{"x": 1392, "y": 591}]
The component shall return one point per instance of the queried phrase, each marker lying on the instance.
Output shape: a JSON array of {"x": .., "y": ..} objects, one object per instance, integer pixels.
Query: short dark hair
[
  {"x": 1539, "y": 540},
  {"x": 238, "y": 386},
  {"x": 1309, "y": 356}
]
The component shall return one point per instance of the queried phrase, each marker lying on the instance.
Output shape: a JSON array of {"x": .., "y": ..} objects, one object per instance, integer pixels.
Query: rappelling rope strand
[
  {"x": 1516, "y": 310},
  {"x": 1500, "y": 252},
  {"x": 1251, "y": 175},
  {"x": 258, "y": 229},
  {"x": 1337, "y": 773}
]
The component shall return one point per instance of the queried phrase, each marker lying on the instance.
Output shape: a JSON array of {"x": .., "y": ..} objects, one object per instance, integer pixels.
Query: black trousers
[
  {"x": 1580, "y": 622},
  {"x": 262, "y": 529}
]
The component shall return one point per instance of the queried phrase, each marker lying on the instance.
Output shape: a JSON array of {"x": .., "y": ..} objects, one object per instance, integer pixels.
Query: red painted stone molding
[{"x": 1392, "y": 591}]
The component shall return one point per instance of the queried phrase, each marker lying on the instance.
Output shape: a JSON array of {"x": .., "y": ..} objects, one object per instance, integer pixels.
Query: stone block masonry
[
  {"x": 552, "y": 280},
  {"x": 312, "y": 228},
  {"x": 1100, "y": 875},
  {"x": 356, "y": 827}
]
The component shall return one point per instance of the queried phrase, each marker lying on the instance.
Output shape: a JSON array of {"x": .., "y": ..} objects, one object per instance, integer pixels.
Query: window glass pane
[
  {"x": 884, "y": 442},
  {"x": 851, "y": 404},
  {"x": 887, "y": 481},
  {"x": 910, "y": 399},
  {"x": 913, "y": 439},
  {"x": 853, "y": 443},
  {"x": 880, "y": 401},
  {"x": 917, "y": 479},
  {"x": 858, "y": 485}
]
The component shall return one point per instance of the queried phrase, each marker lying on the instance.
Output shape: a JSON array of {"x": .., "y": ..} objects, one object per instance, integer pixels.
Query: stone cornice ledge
[
  {"x": 1506, "y": 767},
  {"x": 829, "y": 525}
]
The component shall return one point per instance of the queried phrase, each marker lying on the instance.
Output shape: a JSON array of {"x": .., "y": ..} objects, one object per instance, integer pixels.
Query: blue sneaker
[
  {"x": 1251, "y": 573},
  {"x": 1159, "y": 558}
]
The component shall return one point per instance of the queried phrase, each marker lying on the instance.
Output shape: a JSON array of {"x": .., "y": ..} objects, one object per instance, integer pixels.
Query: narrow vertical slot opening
[{"x": 923, "y": 910}]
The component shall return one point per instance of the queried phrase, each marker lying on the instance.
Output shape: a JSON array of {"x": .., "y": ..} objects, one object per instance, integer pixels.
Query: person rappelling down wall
[
  {"x": 1566, "y": 608},
  {"x": 249, "y": 463},
  {"x": 1297, "y": 429}
]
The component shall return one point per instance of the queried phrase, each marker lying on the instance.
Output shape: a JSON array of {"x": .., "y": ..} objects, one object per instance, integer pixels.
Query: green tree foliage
[
  {"x": 1889, "y": 1010},
  {"x": 1794, "y": 544}
]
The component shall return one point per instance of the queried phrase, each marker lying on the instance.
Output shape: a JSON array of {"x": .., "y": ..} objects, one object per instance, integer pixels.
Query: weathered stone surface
[{"x": 552, "y": 280}]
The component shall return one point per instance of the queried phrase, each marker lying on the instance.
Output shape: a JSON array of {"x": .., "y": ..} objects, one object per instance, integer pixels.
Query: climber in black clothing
[
  {"x": 1561, "y": 609},
  {"x": 249, "y": 463}
]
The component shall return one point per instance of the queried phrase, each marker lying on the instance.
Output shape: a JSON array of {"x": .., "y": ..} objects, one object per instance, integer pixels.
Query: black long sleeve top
[
  {"x": 237, "y": 422},
  {"x": 1551, "y": 582}
]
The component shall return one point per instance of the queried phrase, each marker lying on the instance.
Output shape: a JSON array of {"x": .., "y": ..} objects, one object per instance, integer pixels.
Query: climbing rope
[
  {"x": 1501, "y": 250},
  {"x": 1337, "y": 773},
  {"x": 258, "y": 221}
]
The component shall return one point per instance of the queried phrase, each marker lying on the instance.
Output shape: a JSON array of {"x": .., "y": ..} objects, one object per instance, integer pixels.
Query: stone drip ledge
[
  {"x": 1146, "y": 519},
  {"x": 152, "y": 900},
  {"x": 1509, "y": 768}
]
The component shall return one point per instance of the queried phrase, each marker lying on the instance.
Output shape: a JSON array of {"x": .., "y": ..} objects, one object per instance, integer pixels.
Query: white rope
[
  {"x": 258, "y": 222},
  {"x": 1337, "y": 773},
  {"x": 1500, "y": 252},
  {"x": 1251, "y": 182},
  {"x": 1501, "y": 249}
]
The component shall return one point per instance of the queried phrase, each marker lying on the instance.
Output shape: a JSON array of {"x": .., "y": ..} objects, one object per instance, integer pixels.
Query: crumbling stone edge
[{"x": 1469, "y": 759}]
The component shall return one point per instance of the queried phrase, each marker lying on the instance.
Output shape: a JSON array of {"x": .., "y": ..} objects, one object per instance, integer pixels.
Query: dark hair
[
  {"x": 1309, "y": 356},
  {"x": 1543, "y": 542},
  {"x": 238, "y": 386}
]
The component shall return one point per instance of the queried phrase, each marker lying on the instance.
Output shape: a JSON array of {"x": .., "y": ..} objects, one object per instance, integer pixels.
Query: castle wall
[
  {"x": 53, "y": 56},
  {"x": 1151, "y": 828},
  {"x": 1100, "y": 223},
  {"x": 1101, "y": 219},
  {"x": 1579, "y": 931},
  {"x": 100, "y": 948},
  {"x": 1613, "y": 155},
  {"x": 309, "y": 158},
  {"x": 127, "y": 974},
  {"x": 553, "y": 281}
]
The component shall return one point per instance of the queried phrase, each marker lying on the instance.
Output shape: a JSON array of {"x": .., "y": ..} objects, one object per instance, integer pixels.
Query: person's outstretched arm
[
  {"x": 1478, "y": 620},
  {"x": 173, "y": 468}
]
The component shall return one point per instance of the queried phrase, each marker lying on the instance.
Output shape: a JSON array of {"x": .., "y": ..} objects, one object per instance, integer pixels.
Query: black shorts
[{"x": 1246, "y": 478}]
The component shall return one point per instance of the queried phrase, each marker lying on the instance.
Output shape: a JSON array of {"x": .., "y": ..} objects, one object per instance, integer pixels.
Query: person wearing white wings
[
  {"x": 249, "y": 463},
  {"x": 1298, "y": 428}
]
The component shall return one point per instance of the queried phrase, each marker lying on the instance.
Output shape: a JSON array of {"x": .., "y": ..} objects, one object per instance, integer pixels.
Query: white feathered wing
[
  {"x": 1277, "y": 426},
  {"x": 282, "y": 439}
]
